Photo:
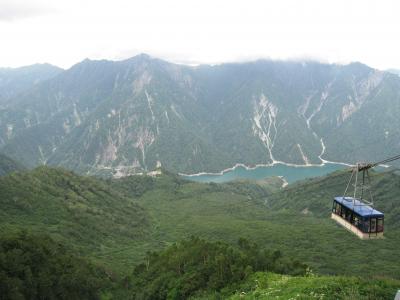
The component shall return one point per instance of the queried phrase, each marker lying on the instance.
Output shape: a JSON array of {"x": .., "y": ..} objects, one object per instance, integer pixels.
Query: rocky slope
[{"x": 106, "y": 117}]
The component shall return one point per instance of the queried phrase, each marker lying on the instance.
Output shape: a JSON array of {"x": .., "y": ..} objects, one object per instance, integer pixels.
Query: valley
[
  {"x": 199, "y": 150},
  {"x": 115, "y": 223},
  {"x": 114, "y": 168}
]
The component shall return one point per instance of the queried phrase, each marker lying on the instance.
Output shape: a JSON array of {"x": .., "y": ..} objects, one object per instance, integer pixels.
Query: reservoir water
[{"x": 289, "y": 173}]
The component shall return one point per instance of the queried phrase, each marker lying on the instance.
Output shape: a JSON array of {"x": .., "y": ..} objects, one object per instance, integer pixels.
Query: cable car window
[
  {"x": 343, "y": 211},
  {"x": 380, "y": 225},
  {"x": 366, "y": 225},
  {"x": 356, "y": 221},
  {"x": 338, "y": 209},
  {"x": 348, "y": 215},
  {"x": 373, "y": 225}
]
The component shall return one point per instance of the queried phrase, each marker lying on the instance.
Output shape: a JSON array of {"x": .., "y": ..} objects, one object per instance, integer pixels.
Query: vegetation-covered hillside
[
  {"x": 196, "y": 266},
  {"x": 198, "y": 269},
  {"x": 276, "y": 220},
  {"x": 117, "y": 223},
  {"x": 83, "y": 212},
  {"x": 37, "y": 267},
  {"x": 276, "y": 286}
]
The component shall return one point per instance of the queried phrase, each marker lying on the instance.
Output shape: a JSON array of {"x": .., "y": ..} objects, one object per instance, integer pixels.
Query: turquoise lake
[{"x": 291, "y": 174}]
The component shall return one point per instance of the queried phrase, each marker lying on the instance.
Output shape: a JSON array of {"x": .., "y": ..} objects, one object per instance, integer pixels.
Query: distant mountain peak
[
  {"x": 143, "y": 56},
  {"x": 33, "y": 68},
  {"x": 14, "y": 81}
]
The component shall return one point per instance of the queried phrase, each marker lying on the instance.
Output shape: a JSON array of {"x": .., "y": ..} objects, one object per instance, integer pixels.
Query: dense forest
[
  {"x": 37, "y": 267},
  {"x": 83, "y": 212},
  {"x": 161, "y": 237},
  {"x": 194, "y": 265}
]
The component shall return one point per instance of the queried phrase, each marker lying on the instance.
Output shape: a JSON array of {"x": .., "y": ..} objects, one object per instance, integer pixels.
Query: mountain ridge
[
  {"x": 14, "y": 81},
  {"x": 122, "y": 117}
]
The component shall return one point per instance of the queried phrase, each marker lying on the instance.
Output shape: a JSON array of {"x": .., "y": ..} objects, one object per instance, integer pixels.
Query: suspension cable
[{"x": 366, "y": 166}]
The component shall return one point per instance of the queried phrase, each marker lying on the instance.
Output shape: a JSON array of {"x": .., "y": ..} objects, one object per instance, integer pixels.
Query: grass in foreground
[{"x": 276, "y": 286}]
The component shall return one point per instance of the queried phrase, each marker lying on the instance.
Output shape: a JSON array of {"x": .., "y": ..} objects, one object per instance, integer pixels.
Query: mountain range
[{"x": 122, "y": 117}]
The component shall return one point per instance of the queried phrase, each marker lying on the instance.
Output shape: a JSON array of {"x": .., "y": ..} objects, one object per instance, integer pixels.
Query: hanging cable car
[
  {"x": 358, "y": 217},
  {"x": 357, "y": 213}
]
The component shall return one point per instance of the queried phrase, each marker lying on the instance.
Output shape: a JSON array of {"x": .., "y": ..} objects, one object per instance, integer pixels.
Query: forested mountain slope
[
  {"x": 295, "y": 220},
  {"x": 121, "y": 117},
  {"x": 37, "y": 267},
  {"x": 115, "y": 222},
  {"x": 84, "y": 213}
]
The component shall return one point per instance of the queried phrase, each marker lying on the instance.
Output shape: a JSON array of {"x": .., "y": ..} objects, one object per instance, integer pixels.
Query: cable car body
[
  {"x": 357, "y": 217},
  {"x": 357, "y": 214}
]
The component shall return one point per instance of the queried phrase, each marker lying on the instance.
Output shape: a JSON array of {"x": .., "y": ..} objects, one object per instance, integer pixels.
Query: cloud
[
  {"x": 12, "y": 10},
  {"x": 64, "y": 32}
]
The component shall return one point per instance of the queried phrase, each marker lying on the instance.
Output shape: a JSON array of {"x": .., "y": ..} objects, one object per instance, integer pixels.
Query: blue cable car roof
[{"x": 358, "y": 207}]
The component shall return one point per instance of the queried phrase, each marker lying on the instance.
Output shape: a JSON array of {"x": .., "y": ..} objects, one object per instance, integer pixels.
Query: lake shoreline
[
  {"x": 241, "y": 165},
  {"x": 289, "y": 172}
]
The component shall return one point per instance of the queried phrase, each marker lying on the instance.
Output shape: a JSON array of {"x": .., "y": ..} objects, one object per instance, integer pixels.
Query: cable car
[
  {"x": 359, "y": 218},
  {"x": 357, "y": 214}
]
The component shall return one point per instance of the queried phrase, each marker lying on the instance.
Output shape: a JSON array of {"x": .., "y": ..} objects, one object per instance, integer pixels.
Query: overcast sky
[{"x": 204, "y": 31}]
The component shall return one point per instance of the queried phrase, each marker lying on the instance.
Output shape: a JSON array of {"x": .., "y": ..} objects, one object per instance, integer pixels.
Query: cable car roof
[{"x": 358, "y": 207}]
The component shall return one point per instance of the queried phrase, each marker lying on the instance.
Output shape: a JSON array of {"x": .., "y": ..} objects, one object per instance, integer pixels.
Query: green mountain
[
  {"x": 115, "y": 222},
  {"x": 7, "y": 165},
  {"x": 197, "y": 269},
  {"x": 85, "y": 214},
  {"x": 128, "y": 228},
  {"x": 121, "y": 117},
  {"x": 37, "y": 267},
  {"x": 296, "y": 221},
  {"x": 193, "y": 265}
]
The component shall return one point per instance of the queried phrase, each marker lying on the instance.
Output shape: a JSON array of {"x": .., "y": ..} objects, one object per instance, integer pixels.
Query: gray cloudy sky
[{"x": 207, "y": 31}]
